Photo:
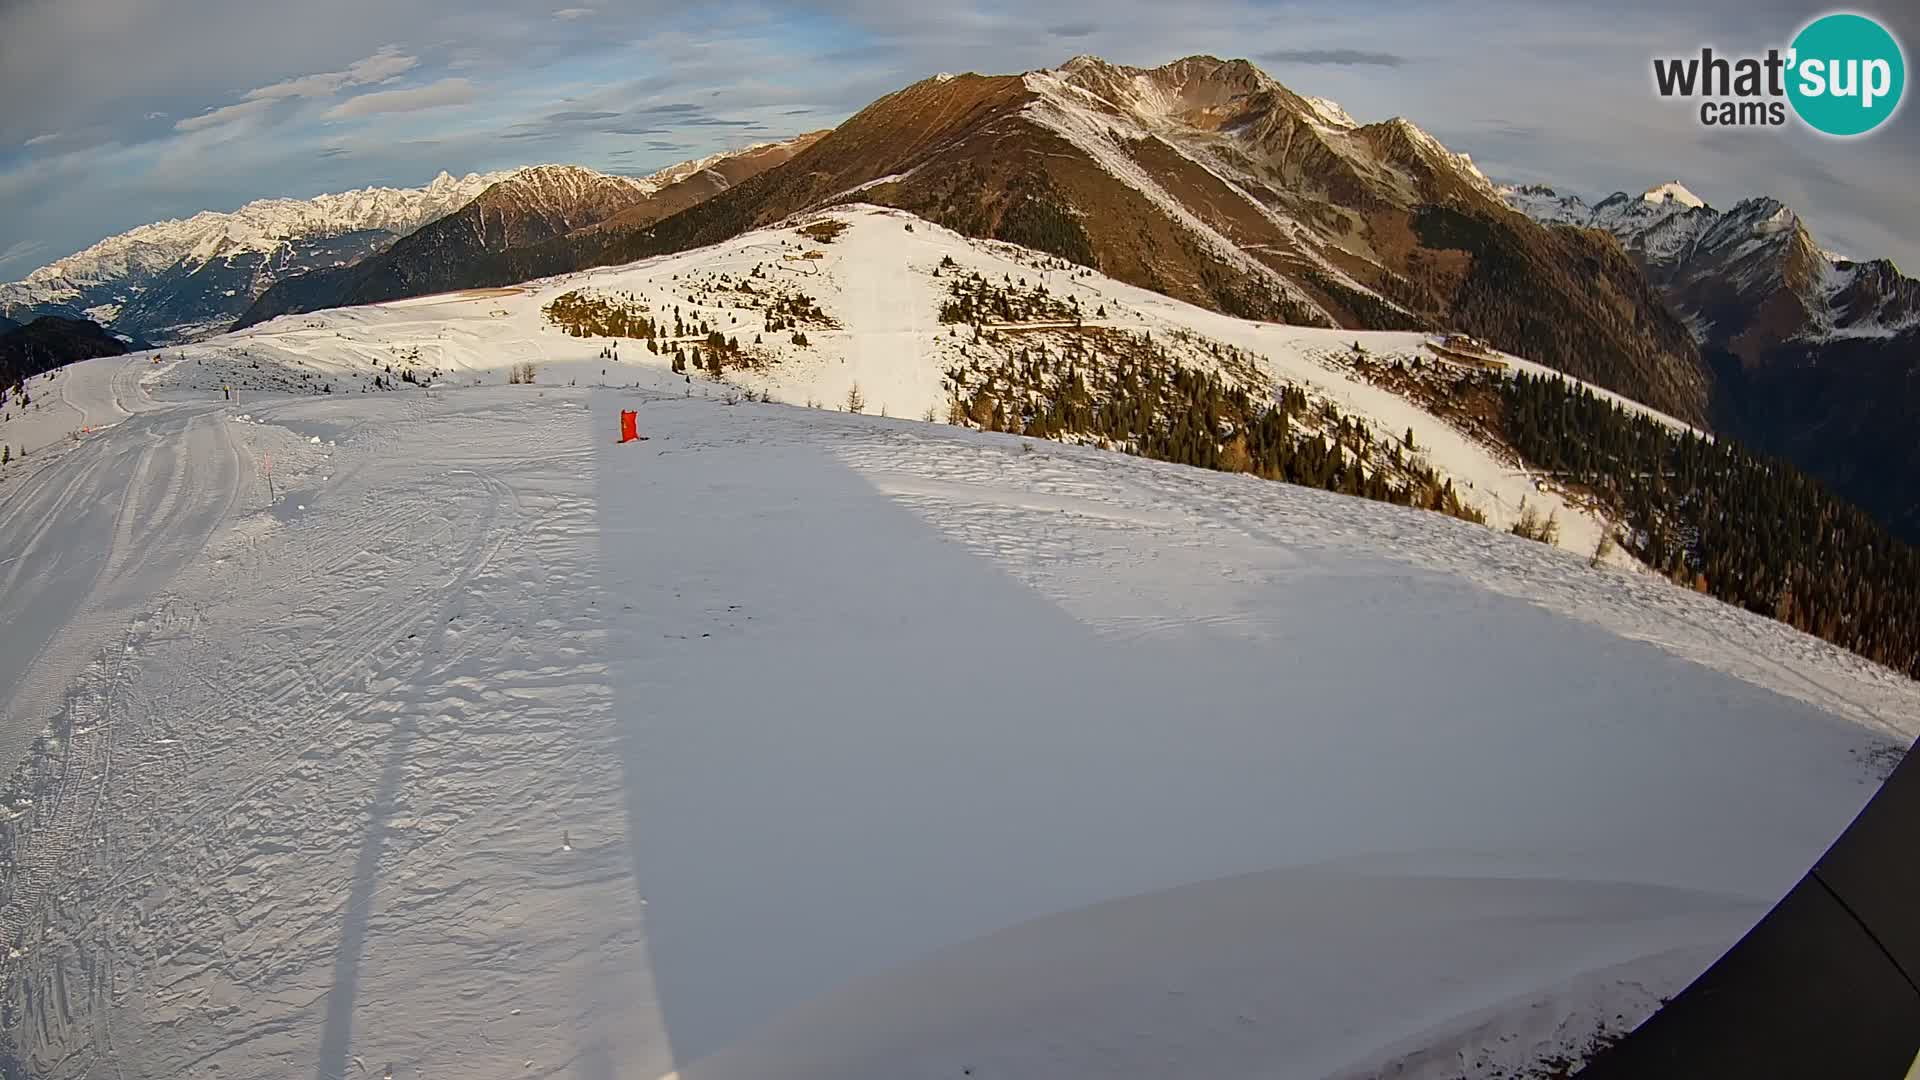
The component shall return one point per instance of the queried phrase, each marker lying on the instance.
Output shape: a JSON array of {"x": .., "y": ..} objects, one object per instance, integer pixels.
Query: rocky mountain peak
[{"x": 1671, "y": 192}]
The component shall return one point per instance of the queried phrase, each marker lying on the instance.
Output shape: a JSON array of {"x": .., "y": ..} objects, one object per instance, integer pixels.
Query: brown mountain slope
[
  {"x": 703, "y": 183},
  {"x": 530, "y": 207},
  {"x": 1206, "y": 180}
]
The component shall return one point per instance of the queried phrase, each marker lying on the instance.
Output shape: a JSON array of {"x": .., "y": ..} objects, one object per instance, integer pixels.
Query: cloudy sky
[{"x": 120, "y": 112}]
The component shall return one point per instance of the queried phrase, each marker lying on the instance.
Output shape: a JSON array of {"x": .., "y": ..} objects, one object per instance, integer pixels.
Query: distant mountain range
[
  {"x": 526, "y": 208},
  {"x": 177, "y": 280},
  {"x": 1203, "y": 179},
  {"x": 1815, "y": 356}
]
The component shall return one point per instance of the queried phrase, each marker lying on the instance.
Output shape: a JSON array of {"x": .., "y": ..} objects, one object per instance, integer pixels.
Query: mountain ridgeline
[
  {"x": 1207, "y": 181},
  {"x": 175, "y": 281},
  {"x": 524, "y": 210},
  {"x": 1814, "y": 357},
  {"x": 1203, "y": 179}
]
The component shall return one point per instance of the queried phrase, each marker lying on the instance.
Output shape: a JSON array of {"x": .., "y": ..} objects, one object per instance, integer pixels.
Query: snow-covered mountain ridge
[
  {"x": 1816, "y": 355},
  {"x": 262, "y": 226},
  {"x": 306, "y": 746},
  {"x": 1721, "y": 269},
  {"x": 880, "y": 287},
  {"x": 183, "y": 278}
]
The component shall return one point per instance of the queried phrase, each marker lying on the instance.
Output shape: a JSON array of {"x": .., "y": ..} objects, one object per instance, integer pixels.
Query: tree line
[
  {"x": 1153, "y": 406},
  {"x": 1744, "y": 527}
]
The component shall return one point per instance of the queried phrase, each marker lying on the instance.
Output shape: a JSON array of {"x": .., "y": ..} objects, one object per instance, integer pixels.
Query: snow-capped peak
[
  {"x": 673, "y": 174},
  {"x": 1544, "y": 204},
  {"x": 1084, "y": 60},
  {"x": 1435, "y": 149},
  {"x": 261, "y": 225},
  {"x": 1672, "y": 191},
  {"x": 1329, "y": 112}
]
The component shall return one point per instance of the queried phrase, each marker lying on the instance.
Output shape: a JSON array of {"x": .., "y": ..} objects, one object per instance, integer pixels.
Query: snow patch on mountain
[
  {"x": 1758, "y": 249},
  {"x": 1662, "y": 221},
  {"x": 568, "y": 183},
  {"x": 1545, "y": 205},
  {"x": 1330, "y": 113},
  {"x": 1437, "y": 151},
  {"x": 1854, "y": 307},
  {"x": 673, "y": 174},
  {"x": 1303, "y": 240},
  {"x": 1073, "y": 113},
  {"x": 1672, "y": 191}
]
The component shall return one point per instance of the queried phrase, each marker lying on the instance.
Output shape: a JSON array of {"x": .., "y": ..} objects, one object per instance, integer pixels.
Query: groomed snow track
[{"x": 478, "y": 744}]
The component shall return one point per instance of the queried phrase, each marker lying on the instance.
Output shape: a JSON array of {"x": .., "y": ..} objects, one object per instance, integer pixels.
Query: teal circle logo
[{"x": 1847, "y": 74}]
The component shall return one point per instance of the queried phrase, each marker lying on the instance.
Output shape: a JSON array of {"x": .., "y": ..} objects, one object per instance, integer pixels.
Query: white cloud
[
  {"x": 40, "y": 139},
  {"x": 156, "y": 116},
  {"x": 21, "y": 249},
  {"x": 226, "y": 114},
  {"x": 324, "y": 84},
  {"x": 572, "y": 13},
  {"x": 432, "y": 96},
  {"x": 386, "y": 64},
  {"x": 383, "y": 66}
]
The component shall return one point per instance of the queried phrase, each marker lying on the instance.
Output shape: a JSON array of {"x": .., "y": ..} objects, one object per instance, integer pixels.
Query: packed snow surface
[{"x": 434, "y": 729}]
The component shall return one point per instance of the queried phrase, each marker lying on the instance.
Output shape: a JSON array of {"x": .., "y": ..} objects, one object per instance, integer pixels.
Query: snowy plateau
[{"x": 431, "y": 732}]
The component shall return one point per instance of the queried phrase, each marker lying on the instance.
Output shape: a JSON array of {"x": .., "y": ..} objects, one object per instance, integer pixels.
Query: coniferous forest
[
  {"x": 1746, "y": 528},
  {"x": 1129, "y": 394}
]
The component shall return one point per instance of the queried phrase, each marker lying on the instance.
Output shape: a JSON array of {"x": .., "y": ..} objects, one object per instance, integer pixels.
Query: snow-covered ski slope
[
  {"x": 790, "y": 743},
  {"x": 882, "y": 281}
]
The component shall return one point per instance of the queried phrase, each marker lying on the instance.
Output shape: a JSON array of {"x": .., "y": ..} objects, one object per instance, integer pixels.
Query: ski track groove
[
  {"x": 180, "y": 885},
  {"x": 332, "y": 672}
]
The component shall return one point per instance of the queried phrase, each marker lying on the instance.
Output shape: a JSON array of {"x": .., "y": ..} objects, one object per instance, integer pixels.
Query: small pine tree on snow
[
  {"x": 1602, "y": 549},
  {"x": 856, "y": 401}
]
